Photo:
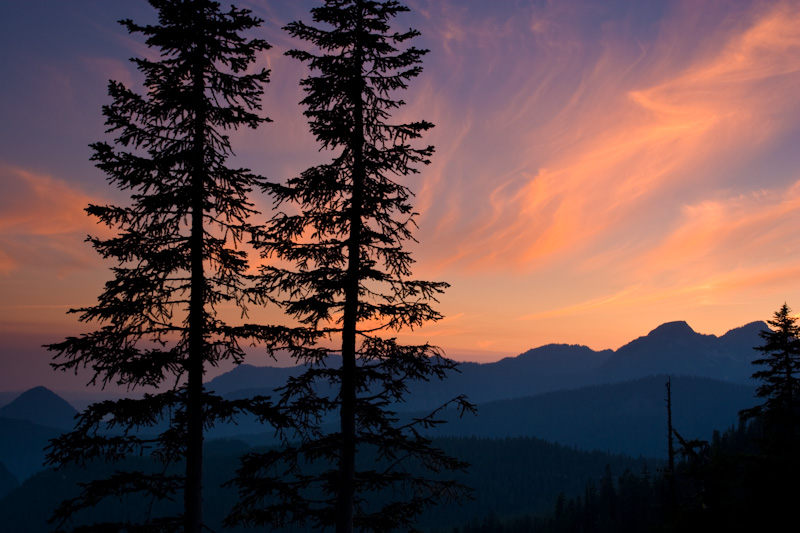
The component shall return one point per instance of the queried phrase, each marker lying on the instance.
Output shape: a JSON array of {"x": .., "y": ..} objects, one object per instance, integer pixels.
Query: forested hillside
[{"x": 509, "y": 476}]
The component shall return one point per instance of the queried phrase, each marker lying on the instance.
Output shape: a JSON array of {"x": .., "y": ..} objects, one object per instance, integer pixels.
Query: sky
[{"x": 601, "y": 167}]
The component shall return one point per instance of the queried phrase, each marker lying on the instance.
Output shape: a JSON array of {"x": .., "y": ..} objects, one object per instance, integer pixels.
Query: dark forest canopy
[{"x": 510, "y": 476}]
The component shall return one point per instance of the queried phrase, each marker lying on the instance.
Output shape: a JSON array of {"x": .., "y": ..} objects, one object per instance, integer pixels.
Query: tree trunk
[
  {"x": 345, "y": 499},
  {"x": 670, "y": 451},
  {"x": 193, "y": 492}
]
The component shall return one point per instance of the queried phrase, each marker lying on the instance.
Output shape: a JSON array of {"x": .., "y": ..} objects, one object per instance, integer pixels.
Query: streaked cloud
[
  {"x": 630, "y": 134},
  {"x": 747, "y": 236},
  {"x": 42, "y": 222}
]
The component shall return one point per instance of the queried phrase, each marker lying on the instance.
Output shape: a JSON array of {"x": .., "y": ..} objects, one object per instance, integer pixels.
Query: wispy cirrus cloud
[
  {"x": 42, "y": 222},
  {"x": 738, "y": 240},
  {"x": 629, "y": 139},
  {"x": 614, "y": 172}
]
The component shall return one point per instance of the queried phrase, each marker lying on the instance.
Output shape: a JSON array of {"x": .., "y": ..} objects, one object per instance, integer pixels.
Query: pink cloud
[
  {"x": 612, "y": 181},
  {"x": 42, "y": 222},
  {"x": 625, "y": 136},
  {"x": 754, "y": 232}
]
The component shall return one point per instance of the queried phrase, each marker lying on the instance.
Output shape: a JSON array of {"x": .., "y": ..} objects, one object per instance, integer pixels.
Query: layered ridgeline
[
  {"x": 608, "y": 400},
  {"x": 26, "y": 426},
  {"x": 670, "y": 349},
  {"x": 572, "y": 396},
  {"x": 41, "y": 406}
]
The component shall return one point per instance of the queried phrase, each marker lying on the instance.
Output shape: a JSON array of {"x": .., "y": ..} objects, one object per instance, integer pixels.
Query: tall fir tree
[
  {"x": 780, "y": 387},
  {"x": 178, "y": 258},
  {"x": 338, "y": 266}
]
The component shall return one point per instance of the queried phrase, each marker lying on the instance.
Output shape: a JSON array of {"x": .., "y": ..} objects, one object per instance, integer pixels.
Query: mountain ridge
[
  {"x": 41, "y": 406},
  {"x": 625, "y": 417},
  {"x": 671, "y": 348},
  {"x": 554, "y": 366}
]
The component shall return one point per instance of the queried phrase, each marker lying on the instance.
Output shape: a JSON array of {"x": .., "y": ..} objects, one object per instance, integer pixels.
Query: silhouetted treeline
[
  {"x": 511, "y": 477},
  {"x": 630, "y": 503},
  {"x": 745, "y": 480},
  {"x": 521, "y": 484},
  {"x": 728, "y": 484},
  {"x": 734, "y": 484}
]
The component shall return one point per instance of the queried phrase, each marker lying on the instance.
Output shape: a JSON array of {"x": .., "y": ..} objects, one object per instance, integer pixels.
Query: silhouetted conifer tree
[
  {"x": 780, "y": 412},
  {"x": 338, "y": 266},
  {"x": 177, "y": 258}
]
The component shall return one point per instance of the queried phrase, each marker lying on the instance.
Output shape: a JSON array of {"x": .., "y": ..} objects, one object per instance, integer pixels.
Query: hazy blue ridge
[
  {"x": 41, "y": 406},
  {"x": 628, "y": 417},
  {"x": 557, "y": 392},
  {"x": 567, "y": 398},
  {"x": 22, "y": 445},
  {"x": 672, "y": 348}
]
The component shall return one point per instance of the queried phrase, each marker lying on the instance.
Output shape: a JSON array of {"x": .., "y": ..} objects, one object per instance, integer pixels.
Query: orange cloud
[
  {"x": 739, "y": 252},
  {"x": 627, "y": 135},
  {"x": 615, "y": 184},
  {"x": 755, "y": 231},
  {"x": 42, "y": 221}
]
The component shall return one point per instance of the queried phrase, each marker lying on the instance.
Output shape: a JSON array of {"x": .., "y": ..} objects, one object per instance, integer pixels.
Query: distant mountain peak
[
  {"x": 748, "y": 329},
  {"x": 678, "y": 327},
  {"x": 37, "y": 394},
  {"x": 671, "y": 348},
  {"x": 41, "y": 406},
  {"x": 675, "y": 348}
]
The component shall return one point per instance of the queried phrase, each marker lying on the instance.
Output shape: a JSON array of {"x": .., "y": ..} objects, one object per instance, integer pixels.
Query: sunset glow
[{"x": 600, "y": 167}]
